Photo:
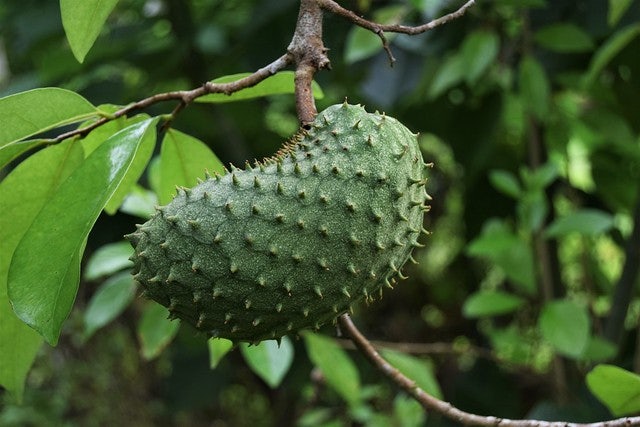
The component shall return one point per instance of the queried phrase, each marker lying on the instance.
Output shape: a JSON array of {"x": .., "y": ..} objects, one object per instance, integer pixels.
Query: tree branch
[
  {"x": 380, "y": 29},
  {"x": 185, "y": 96},
  {"x": 430, "y": 403}
]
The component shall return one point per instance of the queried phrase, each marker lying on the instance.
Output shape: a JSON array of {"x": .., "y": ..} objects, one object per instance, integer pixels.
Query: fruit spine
[{"x": 293, "y": 241}]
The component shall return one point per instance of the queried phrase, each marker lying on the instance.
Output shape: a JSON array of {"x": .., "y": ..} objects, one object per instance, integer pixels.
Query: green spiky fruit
[{"x": 292, "y": 242}]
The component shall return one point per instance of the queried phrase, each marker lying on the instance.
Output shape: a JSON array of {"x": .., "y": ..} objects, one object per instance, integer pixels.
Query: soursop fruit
[{"x": 293, "y": 241}]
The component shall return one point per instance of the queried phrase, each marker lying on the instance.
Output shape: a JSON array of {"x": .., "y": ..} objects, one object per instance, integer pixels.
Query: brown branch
[
  {"x": 185, "y": 96},
  {"x": 430, "y": 403},
  {"x": 380, "y": 29}
]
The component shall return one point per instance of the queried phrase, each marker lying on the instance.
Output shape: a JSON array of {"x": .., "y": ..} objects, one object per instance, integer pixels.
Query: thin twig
[
  {"x": 380, "y": 29},
  {"x": 430, "y": 403},
  {"x": 185, "y": 96}
]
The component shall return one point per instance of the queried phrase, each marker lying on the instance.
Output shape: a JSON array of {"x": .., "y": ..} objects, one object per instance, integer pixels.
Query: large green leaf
[
  {"x": 564, "y": 38},
  {"x": 479, "y": 51},
  {"x": 42, "y": 278},
  {"x": 184, "y": 159},
  {"x": 82, "y": 21},
  {"x": 108, "y": 259},
  {"x": 589, "y": 222},
  {"x": 565, "y": 325},
  {"x": 111, "y": 298},
  {"x": 617, "y": 388},
  {"x": 12, "y": 151},
  {"x": 22, "y": 194},
  {"x": 338, "y": 369},
  {"x": 491, "y": 303},
  {"x": 155, "y": 330},
  {"x": 278, "y": 84},
  {"x": 35, "y": 111},
  {"x": 269, "y": 360},
  {"x": 419, "y": 370}
]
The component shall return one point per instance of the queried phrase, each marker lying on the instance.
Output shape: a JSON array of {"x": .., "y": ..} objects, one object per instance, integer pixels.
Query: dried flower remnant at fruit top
[{"x": 293, "y": 241}]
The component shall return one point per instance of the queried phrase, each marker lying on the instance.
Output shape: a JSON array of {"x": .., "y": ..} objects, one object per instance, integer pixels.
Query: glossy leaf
[
  {"x": 42, "y": 281},
  {"x": 32, "y": 112},
  {"x": 590, "y": 222},
  {"x": 155, "y": 330},
  {"x": 218, "y": 348},
  {"x": 479, "y": 51},
  {"x": 22, "y": 194},
  {"x": 490, "y": 303},
  {"x": 278, "y": 84},
  {"x": 82, "y": 21},
  {"x": 609, "y": 50},
  {"x": 419, "y": 370},
  {"x": 534, "y": 87},
  {"x": 269, "y": 360},
  {"x": 564, "y": 38},
  {"x": 338, "y": 369},
  {"x": 506, "y": 183},
  {"x": 12, "y": 151},
  {"x": 565, "y": 325},
  {"x": 617, "y": 388},
  {"x": 184, "y": 159},
  {"x": 111, "y": 299},
  {"x": 108, "y": 259}
]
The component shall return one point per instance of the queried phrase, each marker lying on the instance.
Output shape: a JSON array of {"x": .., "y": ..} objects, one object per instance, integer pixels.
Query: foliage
[{"x": 527, "y": 109}]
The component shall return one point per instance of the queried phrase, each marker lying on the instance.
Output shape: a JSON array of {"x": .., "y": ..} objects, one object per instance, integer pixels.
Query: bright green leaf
[
  {"x": 184, "y": 159},
  {"x": 111, "y": 299},
  {"x": 32, "y": 112},
  {"x": 338, "y": 369},
  {"x": 490, "y": 303},
  {"x": 479, "y": 51},
  {"x": 565, "y": 325},
  {"x": 269, "y": 360},
  {"x": 140, "y": 202},
  {"x": 506, "y": 183},
  {"x": 589, "y": 222},
  {"x": 564, "y": 38},
  {"x": 155, "y": 330},
  {"x": 14, "y": 150},
  {"x": 82, "y": 21},
  {"x": 609, "y": 50},
  {"x": 40, "y": 279},
  {"x": 108, "y": 259},
  {"x": 22, "y": 194},
  {"x": 419, "y": 370},
  {"x": 534, "y": 87},
  {"x": 617, "y": 9},
  {"x": 617, "y": 388},
  {"x": 218, "y": 348},
  {"x": 278, "y": 84}
]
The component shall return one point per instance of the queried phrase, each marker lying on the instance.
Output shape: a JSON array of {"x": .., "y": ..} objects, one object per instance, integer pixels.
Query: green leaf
[
  {"x": 407, "y": 412},
  {"x": 12, "y": 151},
  {"x": 35, "y": 111},
  {"x": 218, "y": 347},
  {"x": 419, "y": 370},
  {"x": 506, "y": 183},
  {"x": 183, "y": 160},
  {"x": 479, "y": 51},
  {"x": 140, "y": 202},
  {"x": 108, "y": 259},
  {"x": 617, "y": 388},
  {"x": 43, "y": 282},
  {"x": 133, "y": 173},
  {"x": 617, "y": 9},
  {"x": 111, "y": 299},
  {"x": 269, "y": 360},
  {"x": 609, "y": 50},
  {"x": 450, "y": 73},
  {"x": 564, "y": 38},
  {"x": 82, "y": 21},
  {"x": 155, "y": 330},
  {"x": 534, "y": 87},
  {"x": 589, "y": 222},
  {"x": 338, "y": 369},
  {"x": 278, "y": 84},
  {"x": 598, "y": 350},
  {"x": 490, "y": 303},
  {"x": 22, "y": 194},
  {"x": 565, "y": 325}
]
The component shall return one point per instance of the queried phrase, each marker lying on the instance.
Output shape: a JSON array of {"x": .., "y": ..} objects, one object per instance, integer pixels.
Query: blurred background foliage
[{"x": 528, "y": 110}]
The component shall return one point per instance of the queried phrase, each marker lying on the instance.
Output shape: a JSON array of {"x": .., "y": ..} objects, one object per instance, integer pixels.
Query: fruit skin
[{"x": 293, "y": 241}]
